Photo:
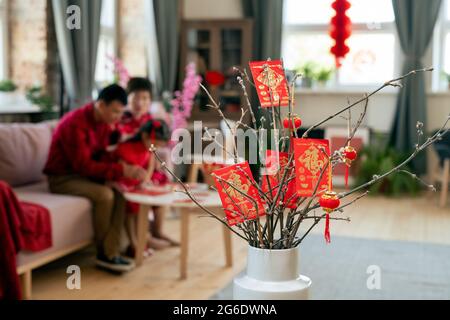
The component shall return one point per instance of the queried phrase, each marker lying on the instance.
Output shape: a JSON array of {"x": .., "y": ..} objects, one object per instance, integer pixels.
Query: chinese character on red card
[
  {"x": 236, "y": 205},
  {"x": 276, "y": 162},
  {"x": 270, "y": 82},
  {"x": 311, "y": 155}
]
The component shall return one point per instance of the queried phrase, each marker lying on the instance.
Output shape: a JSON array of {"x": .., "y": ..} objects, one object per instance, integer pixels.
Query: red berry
[
  {"x": 286, "y": 123},
  {"x": 298, "y": 122}
]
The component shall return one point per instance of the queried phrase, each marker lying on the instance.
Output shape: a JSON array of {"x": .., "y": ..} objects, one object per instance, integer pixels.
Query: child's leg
[
  {"x": 156, "y": 226},
  {"x": 131, "y": 227}
]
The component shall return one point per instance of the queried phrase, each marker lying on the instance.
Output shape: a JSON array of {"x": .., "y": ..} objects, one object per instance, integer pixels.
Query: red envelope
[
  {"x": 238, "y": 207},
  {"x": 270, "y": 82},
  {"x": 309, "y": 162},
  {"x": 275, "y": 164}
]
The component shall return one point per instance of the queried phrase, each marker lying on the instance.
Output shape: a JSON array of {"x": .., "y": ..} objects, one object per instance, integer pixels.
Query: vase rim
[{"x": 277, "y": 250}]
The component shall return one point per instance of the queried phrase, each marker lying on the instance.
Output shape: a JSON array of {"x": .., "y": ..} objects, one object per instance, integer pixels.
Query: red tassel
[
  {"x": 346, "y": 175},
  {"x": 327, "y": 228}
]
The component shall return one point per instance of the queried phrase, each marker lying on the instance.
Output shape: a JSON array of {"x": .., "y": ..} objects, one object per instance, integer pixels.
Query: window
[
  {"x": 3, "y": 39},
  {"x": 441, "y": 49},
  {"x": 107, "y": 45},
  {"x": 373, "y": 44}
]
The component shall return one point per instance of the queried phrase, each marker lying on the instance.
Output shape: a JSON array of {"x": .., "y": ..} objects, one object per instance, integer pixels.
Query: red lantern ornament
[
  {"x": 329, "y": 201},
  {"x": 350, "y": 155},
  {"x": 293, "y": 123},
  {"x": 340, "y": 30},
  {"x": 214, "y": 78}
]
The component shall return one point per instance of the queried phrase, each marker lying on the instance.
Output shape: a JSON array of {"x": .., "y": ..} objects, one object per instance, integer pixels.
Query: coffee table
[{"x": 185, "y": 206}]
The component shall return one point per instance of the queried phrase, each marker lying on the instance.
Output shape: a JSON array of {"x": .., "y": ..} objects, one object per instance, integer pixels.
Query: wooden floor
[{"x": 406, "y": 219}]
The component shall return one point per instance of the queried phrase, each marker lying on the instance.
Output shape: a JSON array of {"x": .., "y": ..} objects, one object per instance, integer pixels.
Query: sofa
[{"x": 23, "y": 153}]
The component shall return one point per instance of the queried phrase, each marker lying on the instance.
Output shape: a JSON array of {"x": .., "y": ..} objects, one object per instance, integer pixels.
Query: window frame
[
  {"x": 357, "y": 28},
  {"x": 442, "y": 28},
  {"x": 110, "y": 32},
  {"x": 4, "y": 58}
]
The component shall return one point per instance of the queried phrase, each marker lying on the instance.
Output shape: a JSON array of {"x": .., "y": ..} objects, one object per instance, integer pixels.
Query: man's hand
[{"x": 134, "y": 172}]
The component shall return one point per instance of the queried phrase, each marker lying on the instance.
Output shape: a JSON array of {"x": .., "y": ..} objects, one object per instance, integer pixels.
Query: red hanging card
[
  {"x": 237, "y": 206},
  {"x": 275, "y": 164},
  {"x": 309, "y": 163},
  {"x": 270, "y": 82}
]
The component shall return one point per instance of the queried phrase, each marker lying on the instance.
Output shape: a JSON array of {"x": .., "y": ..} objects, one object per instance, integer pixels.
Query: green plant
[
  {"x": 323, "y": 74},
  {"x": 377, "y": 159},
  {"x": 37, "y": 97},
  {"x": 308, "y": 69},
  {"x": 446, "y": 76},
  {"x": 7, "y": 86}
]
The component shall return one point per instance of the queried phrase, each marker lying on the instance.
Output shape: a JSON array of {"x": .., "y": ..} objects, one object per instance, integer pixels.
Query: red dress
[
  {"x": 129, "y": 125},
  {"x": 135, "y": 153}
]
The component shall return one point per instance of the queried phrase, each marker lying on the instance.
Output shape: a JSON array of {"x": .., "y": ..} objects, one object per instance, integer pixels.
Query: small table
[{"x": 173, "y": 199}]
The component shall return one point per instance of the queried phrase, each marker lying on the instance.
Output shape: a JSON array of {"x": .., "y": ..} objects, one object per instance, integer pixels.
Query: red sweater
[
  {"x": 130, "y": 125},
  {"x": 133, "y": 153},
  {"x": 78, "y": 141}
]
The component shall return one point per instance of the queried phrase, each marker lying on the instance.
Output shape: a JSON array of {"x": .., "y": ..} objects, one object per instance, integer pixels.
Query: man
[{"x": 75, "y": 167}]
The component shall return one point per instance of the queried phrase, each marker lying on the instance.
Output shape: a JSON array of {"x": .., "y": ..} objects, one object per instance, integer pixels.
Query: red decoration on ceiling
[{"x": 340, "y": 30}]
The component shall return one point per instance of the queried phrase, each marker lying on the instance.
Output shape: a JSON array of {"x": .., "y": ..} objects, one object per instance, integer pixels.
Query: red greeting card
[
  {"x": 311, "y": 156},
  {"x": 276, "y": 162},
  {"x": 236, "y": 205},
  {"x": 270, "y": 82}
]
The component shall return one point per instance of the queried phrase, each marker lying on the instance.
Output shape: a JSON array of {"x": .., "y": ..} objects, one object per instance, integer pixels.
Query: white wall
[
  {"x": 212, "y": 9},
  {"x": 314, "y": 106}
]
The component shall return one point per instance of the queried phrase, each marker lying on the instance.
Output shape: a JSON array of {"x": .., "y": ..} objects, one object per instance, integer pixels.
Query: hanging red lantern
[
  {"x": 329, "y": 201},
  {"x": 350, "y": 155},
  {"x": 340, "y": 30},
  {"x": 295, "y": 122}
]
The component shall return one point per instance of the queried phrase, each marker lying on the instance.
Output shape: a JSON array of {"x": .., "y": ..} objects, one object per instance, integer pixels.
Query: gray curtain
[
  {"x": 415, "y": 22},
  {"x": 267, "y": 29},
  {"x": 78, "y": 47},
  {"x": 267, "y": 18},
  {"x": 167, "y": 28}
]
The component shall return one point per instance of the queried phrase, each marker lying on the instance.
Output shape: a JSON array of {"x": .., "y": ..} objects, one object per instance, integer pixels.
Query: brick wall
[
  {"x": 132, "y": 36},
  {"x": 28, "y": 46},
  {"x": 33, "y": 56}
]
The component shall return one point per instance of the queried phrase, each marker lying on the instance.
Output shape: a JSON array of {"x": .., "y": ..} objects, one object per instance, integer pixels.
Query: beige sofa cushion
[
  {"x": 23, "y": 152},
  {"x": 71, "y": 219}
]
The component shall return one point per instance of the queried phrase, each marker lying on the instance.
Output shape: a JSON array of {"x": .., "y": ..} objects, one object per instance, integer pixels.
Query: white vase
[{"x": 272, "y": 275}]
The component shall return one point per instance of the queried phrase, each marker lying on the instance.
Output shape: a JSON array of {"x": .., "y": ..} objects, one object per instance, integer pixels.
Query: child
[
  {"x": 135, "y": 151},
  {"x": 139, "y": 92}
]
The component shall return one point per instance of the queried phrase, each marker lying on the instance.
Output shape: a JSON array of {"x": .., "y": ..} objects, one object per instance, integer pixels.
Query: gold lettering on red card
[
  {"x": 238, "y": 193},
  {"x": 311, "y": 156},
  {"x": 270, "y": 82}
]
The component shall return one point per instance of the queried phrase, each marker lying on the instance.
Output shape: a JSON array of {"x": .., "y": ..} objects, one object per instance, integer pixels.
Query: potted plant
[
  {"x": 322, "y": 76},
  {"x": 307, "y": 72},
  {"x": 267, "y": 210},
  {"x": 36, "y": 97},
  {"x": 377, "y": 157},
  {"x": 447, "y": 78},
  {"x": 7, "y": 92}
]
